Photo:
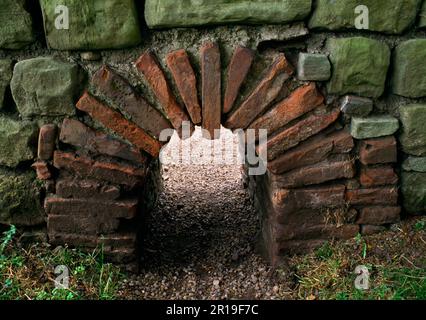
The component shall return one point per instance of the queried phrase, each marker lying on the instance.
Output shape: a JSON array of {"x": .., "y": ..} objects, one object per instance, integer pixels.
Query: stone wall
[{"x": 82, "y": 107}]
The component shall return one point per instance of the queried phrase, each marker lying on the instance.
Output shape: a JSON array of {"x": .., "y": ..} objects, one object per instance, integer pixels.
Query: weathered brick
[
  {"x": 147, "y": 64},
  {"x": 75, "y": 133},
  {"x": 78, "y": 188},
  {"x": 109, "y": 241},
  {"x": 379, "y": 215},
  {"x": 238, "y": 69},
  {"x": 326, "y": 232},
  {"x": 89, "y": 224},
  {"x": 301, "y": 101},
  {"x": 124, "y": 97},
  {"x": 380, "y": 150},
  {"x": 211, "y": 87},
  {"x": 297, "y": 133},
  {"x": 265, "y": 93},
  {"x": 313, "y": 150},
  {"x": 378, "y": 176},
  {"x": 373, "y": 196},
  {"x": 186, "y": 82},
  {"x": 87, "y": 168},
  {"x": 46, "y": 141},
  {"x": 42, "y": 170},
  {"x": 117, "y": 123},
  {"x": 368, "y": 230},
  {"x": 308, "y": 198},
  {"x": 91, "y": 208},
  {"x": 330, "y": 169}
]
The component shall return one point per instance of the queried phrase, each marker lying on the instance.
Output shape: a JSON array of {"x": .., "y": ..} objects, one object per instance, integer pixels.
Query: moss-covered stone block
[
  {"x": 359, "y": 66},
  {"x": 409, "y": 69},
  {"x": 373, "y": 127},
  {"x": 20, "y": 199},
  {"x": 413, "y": 136},
  {"x": 414, "y": 192},
  {"x": 45, "y": 86},
  {"x": 187, "y": 13},
  {"x": 5, "y": 77},
  {"x": 16, "y": 141},
  {"x": 387, "y": 16},
  {"x": 93, "y": 24},
  {"x": 16, "y": 29}
]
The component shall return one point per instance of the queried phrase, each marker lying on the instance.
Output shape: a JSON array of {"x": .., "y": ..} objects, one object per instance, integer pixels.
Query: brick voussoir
[
  {"x": 264, "y": 94},
  {"x": 300, "y": 102},
  {"x": 107, "y": 171},
  {"x": 147, "y": 64},
  {"x": 124, "y": 97},
  {"x": 298, "y": 133},
  {"x": 211, "y": 87},
  {"x": 120, "y": 125},
  {"x": 186, "y": 82},
  {"x": 241, "y": 62}
]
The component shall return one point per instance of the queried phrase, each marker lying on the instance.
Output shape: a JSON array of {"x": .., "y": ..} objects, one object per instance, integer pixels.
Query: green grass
[{"x": 28, "y": 273}]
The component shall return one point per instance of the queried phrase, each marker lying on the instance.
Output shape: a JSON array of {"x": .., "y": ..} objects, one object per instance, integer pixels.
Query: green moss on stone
[
  {"x": 409, "y": 69},
  {"x": 359, "y": 66},
  {"x": 16, "y": 29},
  {"x": 93, "y": 24},
  {"x": 20, "y": 199},
  {"x": 413, "y": 137},
  {"x": 186, "y": 13},
  {"x": 5, "y": 76},
  {"x": 414, "y": 192},
  {"x": 388, "y": 16},
  {"x": 45, "y": 86}
]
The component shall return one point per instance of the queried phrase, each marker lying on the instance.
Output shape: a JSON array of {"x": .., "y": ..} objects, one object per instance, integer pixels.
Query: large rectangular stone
[
  {"x": 413, "y": 136},
  {"x": 75, "y": 133},
  {"x": 147, "y": 64},
  {"x": 85, "y": 167},
  {"x": 301, "y": 101},
  {"x": 414, "y": 192},
  {"x": 93, "y": 25},
  {"x": 262, "y": 96},
  {"x": 167, "y": 14},
  {"x": 313, "y": 150},
  {"x": 117, "y": 123},
  {"x": 124, "y": 97},
  {"x": 297, "y": 133},
  {"x": 211, "y": 87},
  {"x": 359, "y": 65}
]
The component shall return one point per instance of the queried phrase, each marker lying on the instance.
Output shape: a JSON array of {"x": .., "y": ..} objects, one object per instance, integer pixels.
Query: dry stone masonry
[{"x": 88, "y": 90}]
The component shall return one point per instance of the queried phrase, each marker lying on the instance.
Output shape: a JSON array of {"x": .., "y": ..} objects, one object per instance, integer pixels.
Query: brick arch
[{"x": 308, "y": 195}]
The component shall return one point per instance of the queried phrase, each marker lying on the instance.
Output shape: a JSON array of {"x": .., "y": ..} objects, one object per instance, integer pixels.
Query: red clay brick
[
  {"x": 75, "y": 133},
  {"x": 127, "y": 100},
  {"x": 325, "y": 231},
  {"x": 379, "y": 215},
  {"x": 186, "y": 82},
  {"x": 147, "y": 64},
  {"x": 42, "y": 170},
  {"x": 107, "y": 171},
  {"x": 378, "y": 176},
  {"x": 78, "y": 188},
  {"x": 238, "y": 69},
  {"x": 373, "y": 196},
  {"x": 91, "y": 208},
  {"x": 297, "y": 133},
  {"x": 301, "y": 101},
  {"x": 328, "y": 170},
  {"x": 380, "y": 150},
  {"x": 313, "y": 150},
  {"x": 262, "y": 96},
  {"x": 211, "y": 87},
  {"x": 46, "y": 141},
  {"x": 117, "y": 123},
  {"x": 109, "y": 242},
  {"x": 86, "y": 225}
]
